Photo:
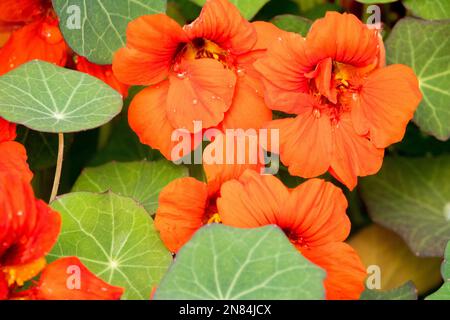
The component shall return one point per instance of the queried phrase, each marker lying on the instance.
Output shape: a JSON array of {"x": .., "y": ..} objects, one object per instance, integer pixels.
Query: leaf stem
[{"x": 59, "y": 164}]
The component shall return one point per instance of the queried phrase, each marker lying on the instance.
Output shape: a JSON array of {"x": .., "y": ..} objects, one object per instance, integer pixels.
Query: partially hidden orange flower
[
  {"x": 313, "y": 218},
  {"x": 29, "y": 229},
  {"x": 102, "y": 72},
  {"x": 55, "y": 284},
  {"x": 200, "y": 72},
  {"x": 34, "y": 34},
  {"x": 348, "y": 107},
  {"x": 187, "y": 204}
]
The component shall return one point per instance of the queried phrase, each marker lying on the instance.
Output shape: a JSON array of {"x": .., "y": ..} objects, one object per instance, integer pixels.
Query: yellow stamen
[
  {"x": 215, "y": 218},
  {"x": 22, "y": 273}
]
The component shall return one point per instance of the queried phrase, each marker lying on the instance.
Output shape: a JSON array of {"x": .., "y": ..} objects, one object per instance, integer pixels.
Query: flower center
[
  {"x": 296, "y": 239},
  {"x": 204, "y": 49},
  {"x": 22, "y": 273},
  {"x": 211, "y": 212},
  {"x": 336, "y": 86}
]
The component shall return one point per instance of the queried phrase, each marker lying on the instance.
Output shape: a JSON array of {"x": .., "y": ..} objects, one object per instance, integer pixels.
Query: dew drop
[
  {"x": 241, "y": 72},
  {"x": 316, "y": 113},
  {"x": 51, "y": 33},
  {"x": 195, "y": 101},
  {"x": 181, "y": 75},
  {"x": 355, "y": 97}
]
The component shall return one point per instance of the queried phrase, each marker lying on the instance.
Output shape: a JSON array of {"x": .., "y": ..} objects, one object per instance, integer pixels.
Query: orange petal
[
  {"x": 16, "y": 161},
  {"x": 181, "y": 211},
  {"x": 248, "y": 110},
  {"x": 17, "y": 214},
  {"x": 221, "y": 22},
  {"x": 5, "y": 31},
  {"x": 102, "y": 72},
  {"x": 7, "y": 130},
  {"x": 267, "y": 33},
  {"x": 353, "y": 155},
  {"x": 345, "y": 272},
  {"x": 283, "y": 73},
  {"x": 41, "y": 237},
  {"x": 305, "y": 143},
  {"x": 315, "y": 213},
  {"x": 40, "y": 40},
  {"x": 204, "y": 93},
  {"x": 69, "y": 279},
  {"x": 344, "y": 38},
  {"x": 252, "y": 201},
  {"x": 386, "y": 104},
  {"x": 147, "y": 117},
  {"x": 322, "y": 77},
  {"x": 152, "y": 42},
  {"x": 28, "y": 228},
  {"x": 240, "y": 151},
  {"x": 20, "y": 10}
]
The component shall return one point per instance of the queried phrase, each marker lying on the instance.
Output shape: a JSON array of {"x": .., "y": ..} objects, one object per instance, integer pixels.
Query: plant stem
[{"x": 59, "y": 164}]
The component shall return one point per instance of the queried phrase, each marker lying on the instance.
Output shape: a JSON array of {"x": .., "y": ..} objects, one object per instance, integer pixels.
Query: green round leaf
[
  {"x": 405, "y": 292},
  {"x": 47, "y": 98},
  {"x": 97, "y": 28},
  {"x": 115, "y": 238},
  {"x": 429, "y": 9},
  {"x": 142, "y": 181},
  {"x": 444, "y": 292},
  {"x": 412, "y": 197},
  {"x": 425, "y": 46},
  {"x": 248, "y": 8},
  {"x": 226, "y": 263},
  {"x": 292, "y": 23}
]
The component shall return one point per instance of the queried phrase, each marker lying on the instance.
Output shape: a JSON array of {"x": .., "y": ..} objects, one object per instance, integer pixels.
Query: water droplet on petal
[
  {"x": 195, "y": 101},
  {"x": 181, "y": 75},
  {"x": 355, "y": 96},
  {"x": 51, "y": 33},
  {"x": 316, "y": 113},
  {"x": 241, "y": 72}
]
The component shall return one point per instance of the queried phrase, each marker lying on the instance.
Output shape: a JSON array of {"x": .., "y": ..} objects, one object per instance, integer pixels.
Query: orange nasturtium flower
[
  {"x": 28, "y": 230},
  {"x": 348, "y": 107},
  {"x": 54, "y": 284},
  {"x": 200, "y": 72},
  {"x": 34, "y": 34},
  {"x": 313, "y": 218},
  {"x": 186, "y": 204}
]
